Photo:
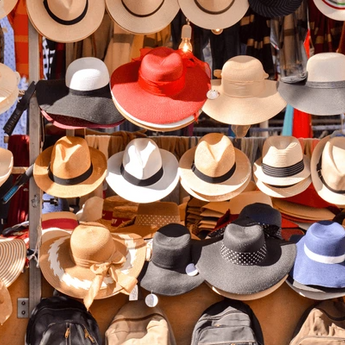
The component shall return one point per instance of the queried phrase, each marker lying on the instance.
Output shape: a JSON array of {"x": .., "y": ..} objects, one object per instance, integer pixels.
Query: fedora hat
[
  {"x": 70, "y": 168},
  {"x": 331, "y": 9},
  {"x": 323, "y": 91},
  {"x": 219, "y": 14},
  {"x": 6, "y": 164},
  {"x": 243, "y": 95},
  {"x": 9, "y": 81},
  {"x": 162, "y": 86},
  {"x": 6, "y": 7},
  {"x": 92, "y": 263},
  {"x": 61, "y": 219},
  {"x": 320, "y": 256},
  {"x": 82, "y": 97},
  {"x": 142, "y": 17},
  {"x": 327, "y": 169},
  {"x": 167, "y": 273},
  {"x": 274, "y": 8},
  {"x": 5, "y": 303},
  {"x": 65, "y": 21},
  {"x": 214, "y": 167},
  {"x": 142, "y": 172},
  {"x": 257, "y": 262}
]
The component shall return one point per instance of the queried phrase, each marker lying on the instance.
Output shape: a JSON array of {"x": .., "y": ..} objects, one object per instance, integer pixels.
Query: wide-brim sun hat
[
  {"x": 244, "y": 252},
  {"x": 143, "y": 172},
  {"x": 162, "y": 86},
  {"x": 327, "y": 169},
  {"x": 70, "y": 168},
  {"x": 65, "y": 22},
  {"x": 5, "y": 303},
  {"x": 323, "y": 91},
  {"x": 214, "y": 14},
  {"x": 331, "y": 9},
  {"x": 142, "y": 17},
  {"x": 243, "y": 95},
  {"x": 9, "y": 91},
  {"x": 6, "y": 165},
  {"x": 214, "y": 167},
  {"x": 275, "y": 8},
  {"x": 167, "y": 273},
  {"x": 6, "y": 7},
  {"x": 72, "y": 263},
  {"x": 82, "y": 97}
]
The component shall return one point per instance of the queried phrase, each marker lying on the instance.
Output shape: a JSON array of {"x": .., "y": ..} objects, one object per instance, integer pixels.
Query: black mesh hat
[{"x": 274, "y": 8}]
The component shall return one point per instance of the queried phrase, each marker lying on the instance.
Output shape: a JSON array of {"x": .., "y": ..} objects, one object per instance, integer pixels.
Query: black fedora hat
[{"x": 274, "y": 8}]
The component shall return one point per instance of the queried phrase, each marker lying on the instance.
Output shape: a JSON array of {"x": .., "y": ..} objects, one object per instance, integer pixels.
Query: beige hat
[
  {"x": 65, "y": 21},
  {"x": 9, "y": 81},
  {"x": 5, "y": 303},
  {"x": 331, "y": 9},
  {"x": 6, "y": 7},
  {"x": 6, "y": 164},
  {"x": 244, "y": 95}
]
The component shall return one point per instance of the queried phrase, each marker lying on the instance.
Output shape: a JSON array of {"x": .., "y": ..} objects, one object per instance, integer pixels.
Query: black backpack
[
  {"x": 60, "y": 320},
  {"x": 227, "y": 322}
]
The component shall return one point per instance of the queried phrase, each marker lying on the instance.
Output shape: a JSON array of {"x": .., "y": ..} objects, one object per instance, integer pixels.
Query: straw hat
[
  {"x": 6, "y": 164},
  {"x": 323, "y": 91},
  {"x": 5, "y": 303},
  {"x": 219, "y": 14},
  {"x": 142, "y": 17},
  {"x": 274, "y": 8},
  {"x": 62, "y": 219},
  {"x": 142, "y": 172},
  {"x": 9, "y": 91},
  {"x": 6, "y": 7},
  {"x": 331, "y": 9},
  {"x": 65, "y": 21},
  {"x": 214, "y": 167},
  {"x": 70, "y": 168},
  {"x": 162, "y": 86},
  {"x": 328, "y": 169},
  {"x": 244, "y": 95},
  {"x": 92, "y": 263}
]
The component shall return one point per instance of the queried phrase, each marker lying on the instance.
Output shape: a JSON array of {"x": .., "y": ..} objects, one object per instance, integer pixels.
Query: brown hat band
[
  {"x": 70, "y": 181},
  {"x": 213, "y": 12},
  {"x": 141, "y": 182},
  {"x": 283, "y": 171},
  {"x": 142, "y": 15},
  {"x": 211, "y": 179}
]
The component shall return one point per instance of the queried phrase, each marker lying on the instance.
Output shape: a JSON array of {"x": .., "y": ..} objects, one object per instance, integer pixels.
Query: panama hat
[
  {"x": 65, "y": 21},
  {"x": 243, "y": 95},
  {"x": 323, "y": 91},
  {"x": 9, "y": 91},
  {"x": 162, "y": 86},
  {"x": 167, "y": 273},
  {"x": 331, "y": 9},
  {"x": 274, "y": 8},
  {"x": 5, "y": 303},
  {"x": 92, "y": 263},
  {"x": 214, "y": 167},
  {"x": 327, "y": 169},
  {"x": 82, "y": 97},
  {"x": 142, "y": 17},
  {"x": 69, "y": 168},
  {"x": 6, "y": 164},
  {"x": 6, "y": 6},
  {"x": 244, "y": 252},
  {"x": 219, "y": 14},
  {"x": 142, "y": 172}
]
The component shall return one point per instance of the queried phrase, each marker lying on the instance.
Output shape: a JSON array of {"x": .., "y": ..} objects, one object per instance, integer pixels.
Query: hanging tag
[
  {"x": 212, "y": 94},
  {"x": 151, "y": 300},
  {"x": 191, "y": 270}
]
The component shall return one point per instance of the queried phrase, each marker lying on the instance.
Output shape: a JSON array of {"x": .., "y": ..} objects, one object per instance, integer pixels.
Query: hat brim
[
  {"x": 315, "y": 101},
  {"x": 7, "y": 7},
  {"x": 145, "y": 106},
  {"x": 244, "y": 110},
  {"x": 5, "y": 303},
  {"x": 150, "y": 24},
  {"x": 54, "y": 98},
  {"x": 241, "y": 175},
  {"x": 61, "y": 272},
  {"x": 329, "y": 11},
  {"x": 285, "y": 8},
  {"x": 140, "y": 194},
  {"x": 56, "y": 32},
  {"x": 249, "y": 279},
  {"x": 43, "y": 181},
  {"x": 208, "y": 20},
  {"x": 6, "y": 166}
]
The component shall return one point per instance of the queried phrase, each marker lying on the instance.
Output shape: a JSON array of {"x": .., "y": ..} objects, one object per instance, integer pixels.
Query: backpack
[
  {"x": 322, "y": 323},
  {"x": 136, "y": 323},
  {"x": 227, "y": 322},
  {"x": 61, "y": 320}
]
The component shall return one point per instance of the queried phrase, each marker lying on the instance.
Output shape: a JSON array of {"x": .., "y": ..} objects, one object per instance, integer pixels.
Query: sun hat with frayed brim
[
  {"x": 73, "y": 263},
  {"x": 214, "y": 14},
  {"x": 6, "y": 164},
  {"x": 323, "y": 91},
  {"x": 142, "y": 17},
  {"x": 328, "y": 169},
  {"x": 5, "y": 303},
  {"x": 65, "y": 22},
  {"x": 331, "y": 9},
  {"x": 274, "y": 8},
  {"x": 243, "y": 95},
  {"x": 6, "y": 7},
  {"x": 162, "y": 86},
  {"x": 166, "y": 272},
  {"x": 70, "y": 168},
  {"x": 82, "y": 97},
  {"x": 143, "y": 172},
  {"x": 214, "y": 167},
  {"x": 258, "y": 263}
]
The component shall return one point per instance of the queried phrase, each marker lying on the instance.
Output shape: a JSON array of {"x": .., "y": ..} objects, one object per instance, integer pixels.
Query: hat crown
[
  {"x": 87, "y": 74},
  {"x": 70, "y": 157},
  {"x": 216, "y": 6},
  {"x": 214, "y": 155},
  {"x": 142, "y": 8},
  {"x": 67, "y": 9},
  {"x": 262, "y": 213}
]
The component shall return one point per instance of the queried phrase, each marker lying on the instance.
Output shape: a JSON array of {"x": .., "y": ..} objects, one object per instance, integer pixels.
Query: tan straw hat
[
  {"x": 92, "y": 263},
  {"x": 65, "y": 21},
  {"x": 70, "y": 168},
  {"x": 9, "y": 91},
  {"x": 6, "y": 164},
  {"x": 5, "y": 303},
  {"x": 6, "y": 6}
]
